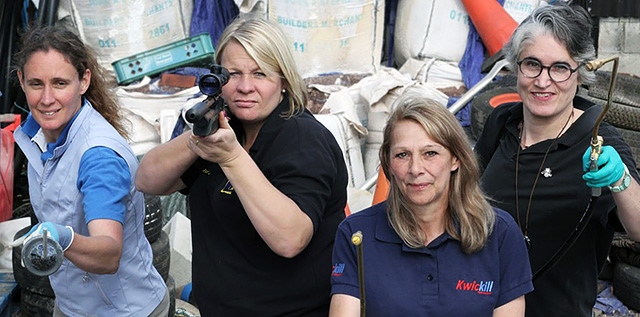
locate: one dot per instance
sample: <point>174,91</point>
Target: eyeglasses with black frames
<point>558,72</point>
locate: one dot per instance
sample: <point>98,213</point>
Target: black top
<point>235,273</point>
<point>560,198</point>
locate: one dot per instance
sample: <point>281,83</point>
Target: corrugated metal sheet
<point>612,8</point>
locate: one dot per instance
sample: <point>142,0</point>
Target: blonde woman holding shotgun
<point>267,190</point>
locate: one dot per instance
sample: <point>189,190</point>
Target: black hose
<point>47,12</point>
<point>42,7</point>
<point>573,237</point>
<point>9,25</point>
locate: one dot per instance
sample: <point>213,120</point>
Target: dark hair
<point>61,39</point>
<point>568,24</point>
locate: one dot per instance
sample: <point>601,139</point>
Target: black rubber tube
<point>9,23</point>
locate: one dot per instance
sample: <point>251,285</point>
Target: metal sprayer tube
<point>596,140</point>
<point>356,239</point>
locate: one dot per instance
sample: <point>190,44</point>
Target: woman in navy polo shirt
<point>435,247</point>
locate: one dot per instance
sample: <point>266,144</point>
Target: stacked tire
<point>624,110</point>
<point>36,295</point>
<point>625,254</point>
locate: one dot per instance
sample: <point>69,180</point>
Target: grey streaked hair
<point>569,24</point>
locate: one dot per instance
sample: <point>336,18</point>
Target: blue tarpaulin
<point>470,66</point>
<point>212,17</point>
<point>609,304</point>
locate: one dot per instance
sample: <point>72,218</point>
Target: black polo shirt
<point>234,271</point>
<point>559,200</point>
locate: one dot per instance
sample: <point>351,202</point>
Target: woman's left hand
<point>610,168</point>
<point>220,147</point>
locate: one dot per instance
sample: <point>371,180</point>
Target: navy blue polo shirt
<point>437,280</point>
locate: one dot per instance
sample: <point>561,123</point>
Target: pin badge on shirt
<point>546,172</point>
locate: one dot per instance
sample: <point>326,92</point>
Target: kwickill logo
<point>482,287</point>
<point>338,268</point>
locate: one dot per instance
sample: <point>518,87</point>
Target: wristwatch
<point>626,181</point>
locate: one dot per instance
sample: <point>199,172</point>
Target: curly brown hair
<point>42,38</point>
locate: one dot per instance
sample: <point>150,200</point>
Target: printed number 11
<point>298,46</point>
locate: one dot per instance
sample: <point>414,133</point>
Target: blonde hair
<point>267,44</point>
<point>471,217</point>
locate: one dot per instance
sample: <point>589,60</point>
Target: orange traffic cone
<point>382,188</point>
<point>493,22</point>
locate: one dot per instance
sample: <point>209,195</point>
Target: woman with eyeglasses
<point>267,190</point>
<point>536,156</point>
